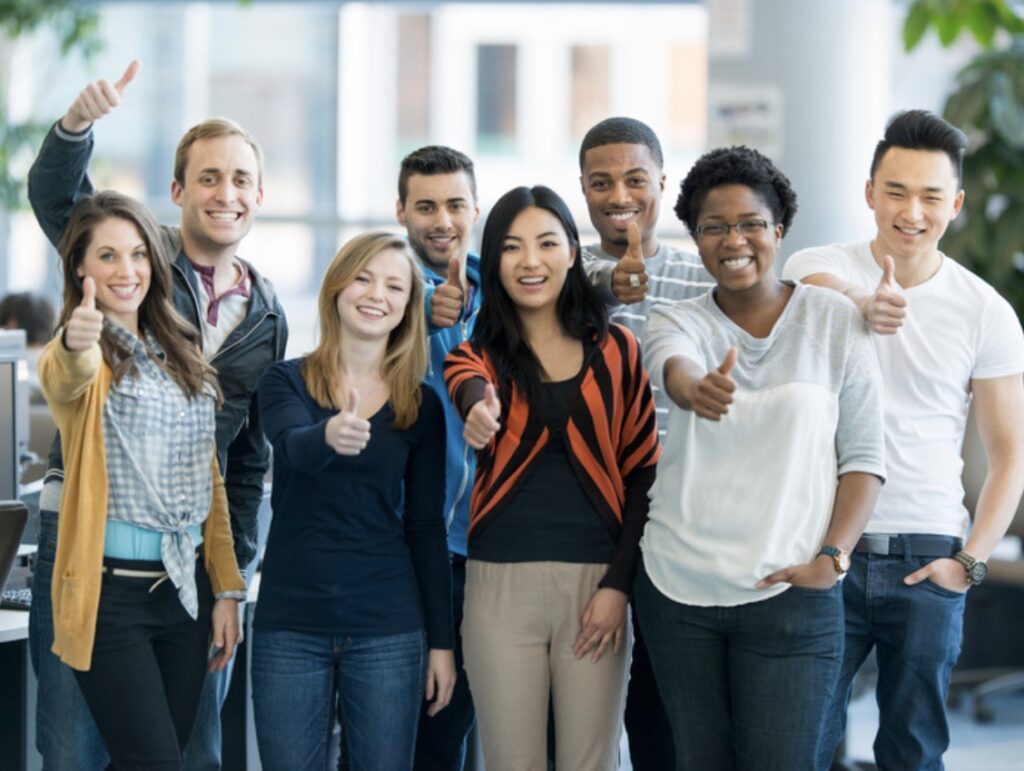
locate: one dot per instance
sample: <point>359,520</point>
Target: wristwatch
<point>975,568</point>
<point>840,557</point>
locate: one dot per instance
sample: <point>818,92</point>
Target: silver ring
<point>634,280</point>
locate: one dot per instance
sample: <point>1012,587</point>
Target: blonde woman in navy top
<point>355,600</point>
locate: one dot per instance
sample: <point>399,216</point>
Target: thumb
<point>888,272</point>
<point>728,362</point>
<point>88,294</point>
<point>491,400</point>
<point>129,75</point>
<point>352,403</point>
<point>455,273</point>
<point>634,249</point>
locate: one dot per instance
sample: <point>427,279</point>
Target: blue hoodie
<point>461,461</point>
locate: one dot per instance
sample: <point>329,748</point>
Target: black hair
<point>624,131</point>
<point>30,312</point>
<point>735,166</point>
<point>434,159</point>
<point>498,330</point>
<point>922,130</point>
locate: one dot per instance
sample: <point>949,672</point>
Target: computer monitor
<point>14,393</point>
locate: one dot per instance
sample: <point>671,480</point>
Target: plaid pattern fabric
<point>159,444</point>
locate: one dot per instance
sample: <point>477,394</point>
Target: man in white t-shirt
<point>944,338</point>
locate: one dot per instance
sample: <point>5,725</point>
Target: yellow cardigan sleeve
<point>220,561</point>
<point>65,376</point>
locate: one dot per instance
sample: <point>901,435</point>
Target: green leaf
<point>1006,111</point>
<point>948,26</point>
<point>916,24</point>
<point>982,20</point>
<point>966,106</point>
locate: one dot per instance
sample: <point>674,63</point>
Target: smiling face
<point>438,214</point>
<point>118,261</point>
<point>219,198</point>
<point>622,183</point>
<point>738,262</point>
<point>915,195</point>
<point>535,259</point>
<point>374,303</point>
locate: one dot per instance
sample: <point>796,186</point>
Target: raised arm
<point>59,176</point>
<point>883,309</point>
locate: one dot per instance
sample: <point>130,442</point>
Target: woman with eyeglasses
<point>773,460</point>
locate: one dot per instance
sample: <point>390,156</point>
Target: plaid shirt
<point>159,443</point>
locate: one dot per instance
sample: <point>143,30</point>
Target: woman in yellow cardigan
<point>145,571</point>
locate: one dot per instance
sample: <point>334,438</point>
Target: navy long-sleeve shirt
<point>357,544</point>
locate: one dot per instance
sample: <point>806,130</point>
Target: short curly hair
<point>735,166</point>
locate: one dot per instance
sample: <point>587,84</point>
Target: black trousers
<point>647,727</point>
<point>148,665</point>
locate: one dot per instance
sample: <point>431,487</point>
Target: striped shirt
<point>611,434</point>
<point>158,444</point>
<point>672,275</point>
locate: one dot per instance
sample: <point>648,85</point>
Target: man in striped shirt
<point>623,181</point>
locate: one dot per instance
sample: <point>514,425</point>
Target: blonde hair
<point>405,358</point>
<point>211,128</point>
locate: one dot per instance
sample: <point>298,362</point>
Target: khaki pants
<point>521,620</point>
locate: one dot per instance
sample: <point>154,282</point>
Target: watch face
<point>844,561</point>
<point>978,572</point>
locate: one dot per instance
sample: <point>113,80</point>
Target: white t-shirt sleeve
<point>860,433</point>
<point>665,336</point>
<point>1001,347</point>
<point>818,259</point>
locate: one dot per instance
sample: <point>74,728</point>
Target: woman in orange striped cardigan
<point>559,407</point>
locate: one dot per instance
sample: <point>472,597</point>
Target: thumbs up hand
<point>887,307</point>
<point>347,433</point>
<point>96,100</point>
<point>482,422</point>
<point>629,278</point>
<point>446,304</point>
<point>85,323</point>
<point>711,396</point>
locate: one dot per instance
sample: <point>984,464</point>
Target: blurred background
<point>337,93</point>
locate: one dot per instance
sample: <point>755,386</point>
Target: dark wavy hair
<point>498,330</point>
<point>179,339</point>
<point>736,166</point>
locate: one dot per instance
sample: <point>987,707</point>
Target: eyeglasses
<point>746,228</point>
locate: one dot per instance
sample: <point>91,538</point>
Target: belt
<point>129,573</point>
<point>908,545</point>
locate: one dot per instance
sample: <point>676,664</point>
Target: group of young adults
<point>490,504</point>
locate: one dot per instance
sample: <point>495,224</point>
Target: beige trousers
<point>520,622</point>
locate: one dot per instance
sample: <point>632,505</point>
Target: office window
<point>496,98</point>
<point>590,92</point>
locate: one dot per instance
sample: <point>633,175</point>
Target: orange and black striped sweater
<point>611,434</point>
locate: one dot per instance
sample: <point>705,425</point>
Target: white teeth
<point>532,280</point>
<point>124,291</point>
<point>910,231</point>
<point>375,312</point>
<point>737,262</point>
<point>224,216</point>
<point>623,216</point>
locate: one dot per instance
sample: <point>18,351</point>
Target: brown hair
<point>211,128</point>
<point>405,360</point>
<point>180,341</point>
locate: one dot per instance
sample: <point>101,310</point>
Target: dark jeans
<point>745,687</point>
<point>916,632</point>
<point>66,734</point>
<point>379,685</point>
<point>647,726</point>
<point>148,665</point>
<point>441,739</point>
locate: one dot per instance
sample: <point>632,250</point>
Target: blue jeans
<point>916,632</point>
<point>441,739</point>
<point>204,746</point>
<point>745,687</point>
<point>379,685</point>
<point>66,734</point>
